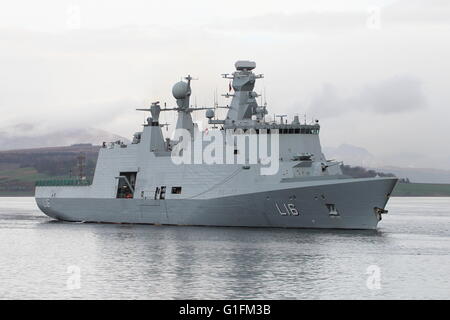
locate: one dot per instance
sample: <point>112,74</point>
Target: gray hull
<point>354,202</point>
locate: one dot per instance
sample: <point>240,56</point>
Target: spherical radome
<point>209,113</point>
<point>180,90</point>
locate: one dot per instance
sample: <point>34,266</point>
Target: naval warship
<point>244,170</point>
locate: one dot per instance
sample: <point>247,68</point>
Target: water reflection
<point>195,262</point>
<point>142,261</point>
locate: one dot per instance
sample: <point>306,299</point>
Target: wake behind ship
<point>243,170</point>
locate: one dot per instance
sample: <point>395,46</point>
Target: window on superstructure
<point>176,190</point>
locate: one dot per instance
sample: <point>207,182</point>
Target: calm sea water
<point>408,257</point>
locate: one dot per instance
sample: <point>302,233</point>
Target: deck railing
<point>62,182</point>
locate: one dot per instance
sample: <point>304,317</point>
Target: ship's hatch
<point>125,187</point>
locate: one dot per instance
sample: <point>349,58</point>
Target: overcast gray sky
<point>376,73</point>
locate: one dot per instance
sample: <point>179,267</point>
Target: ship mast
<point>181,91</point>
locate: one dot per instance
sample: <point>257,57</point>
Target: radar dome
<point>180,90</point>
<point>210,113</point>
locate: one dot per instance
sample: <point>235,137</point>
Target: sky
<point>375,73</point>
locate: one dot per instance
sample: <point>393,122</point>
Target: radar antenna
<point>216,105</point>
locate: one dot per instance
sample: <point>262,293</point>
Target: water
<point>411,251</point>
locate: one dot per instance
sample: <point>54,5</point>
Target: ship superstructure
<point>242,171</point>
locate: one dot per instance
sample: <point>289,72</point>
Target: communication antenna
<point>216,105</point>
<point>265,97</point>
<point>265,105</point>
<point>166,124</point>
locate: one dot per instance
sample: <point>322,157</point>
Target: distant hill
<point>421,190</point>
<point>360,172</point>
<point>25,137</point>
<point>419,175</point>
<point>26,155</point>
<point>360,157</point>
<point>351,155</point>
<point>52,161</point>
<point>19,169</point>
